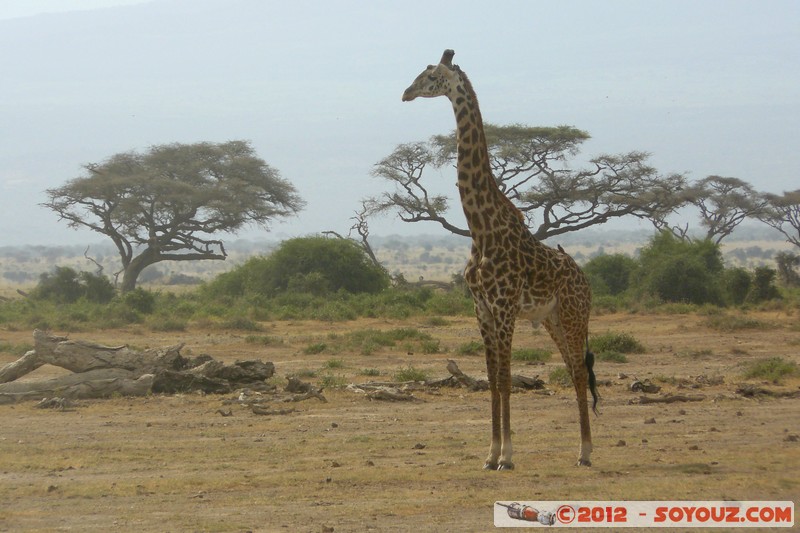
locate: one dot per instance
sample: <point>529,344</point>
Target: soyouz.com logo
<point>617,514</point>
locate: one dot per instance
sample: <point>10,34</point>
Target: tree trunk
<point>100,371</point>
<point>132,270</point>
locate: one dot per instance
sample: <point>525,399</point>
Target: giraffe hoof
<point>506,466</point>
<point>488,465</point>
<point>584,462</point>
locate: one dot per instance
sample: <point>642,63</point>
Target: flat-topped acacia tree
<point>168,203</point>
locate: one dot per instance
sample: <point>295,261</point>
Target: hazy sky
<point>707,87</point>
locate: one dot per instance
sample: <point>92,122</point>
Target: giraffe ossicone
<point>509,273</point>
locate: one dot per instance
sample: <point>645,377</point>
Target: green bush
<point>674,270</point>
<point>737,284</point>
<point>726,322</point>
<point>65,285</point>
<point>612,357</point>
<point>530,355</point>
<point>610,274</point>
<point>773,369</point>
<point>560,376</point>
<point>410,373</point>
<point>615,342</point>
<point>763,285</point>
<point>313,265</point>
<point>471,348</point>
<point>139,300</point>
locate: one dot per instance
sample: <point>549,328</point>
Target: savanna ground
<point>174,463</point>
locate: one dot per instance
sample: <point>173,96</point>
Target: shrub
<point>612,357</point>
<point>330,381</point>
<point>726,322</point>
<point>314,265</point>
<point>560,376</point>
<point>737,283</point>
<point>315,348</point>
<point>166,323</point>
<point>530,355</point>
<point>615,342</point>
<point>610,274</point>
<point>773,369</point>
<point>470,348</point>
<point>763,285</point>
<point>680,271</point>
<point>263,340</point>
<point>788,264</point>
<point>410,373</point>
<point>65,285</point>
<point>139,300</point>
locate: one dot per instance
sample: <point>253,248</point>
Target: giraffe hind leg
<point>577,362</point>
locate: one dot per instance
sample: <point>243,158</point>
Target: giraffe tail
<point>589,359</point>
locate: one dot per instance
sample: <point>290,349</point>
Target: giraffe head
<point>435,80</point>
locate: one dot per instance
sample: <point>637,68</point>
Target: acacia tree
<point>530,165</point>
<point>168,203</point>
<point>723,203</point>
<point>782,212</point>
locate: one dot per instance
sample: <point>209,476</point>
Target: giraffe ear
<point>447,58</point>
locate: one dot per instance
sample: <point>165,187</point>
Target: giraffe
<point>509,273</point>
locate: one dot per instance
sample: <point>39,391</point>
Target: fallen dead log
<point>270,412</point>
<point>641,400</point>
<point>382,392</point>
<point>294,391</point>
<point>458,378</point>
<point>101,371</point>
<point>394,391</point>
<point>754,391</point>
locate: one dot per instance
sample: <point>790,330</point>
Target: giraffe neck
<point>485,206</point>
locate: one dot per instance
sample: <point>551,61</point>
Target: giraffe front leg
<point>506,449</point>
<point>488,333</point>
<point>504,334</point>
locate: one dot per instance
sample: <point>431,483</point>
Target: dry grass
<point>175,464</point>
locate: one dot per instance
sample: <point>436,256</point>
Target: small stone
<point>621,443</point>
<point>419,446</point>
<point>334,425</point>
<point>650,421</point>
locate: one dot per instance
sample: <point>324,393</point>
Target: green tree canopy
<point>782,212</point>
<point>168,203</point>
<point>723,203</point>
<point>532,167</point>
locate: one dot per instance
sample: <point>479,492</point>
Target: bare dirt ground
<point>175,463</point>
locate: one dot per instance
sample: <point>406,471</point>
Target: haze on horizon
<point>709,87</point>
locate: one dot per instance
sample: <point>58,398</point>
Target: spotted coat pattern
<point>510,274</point>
